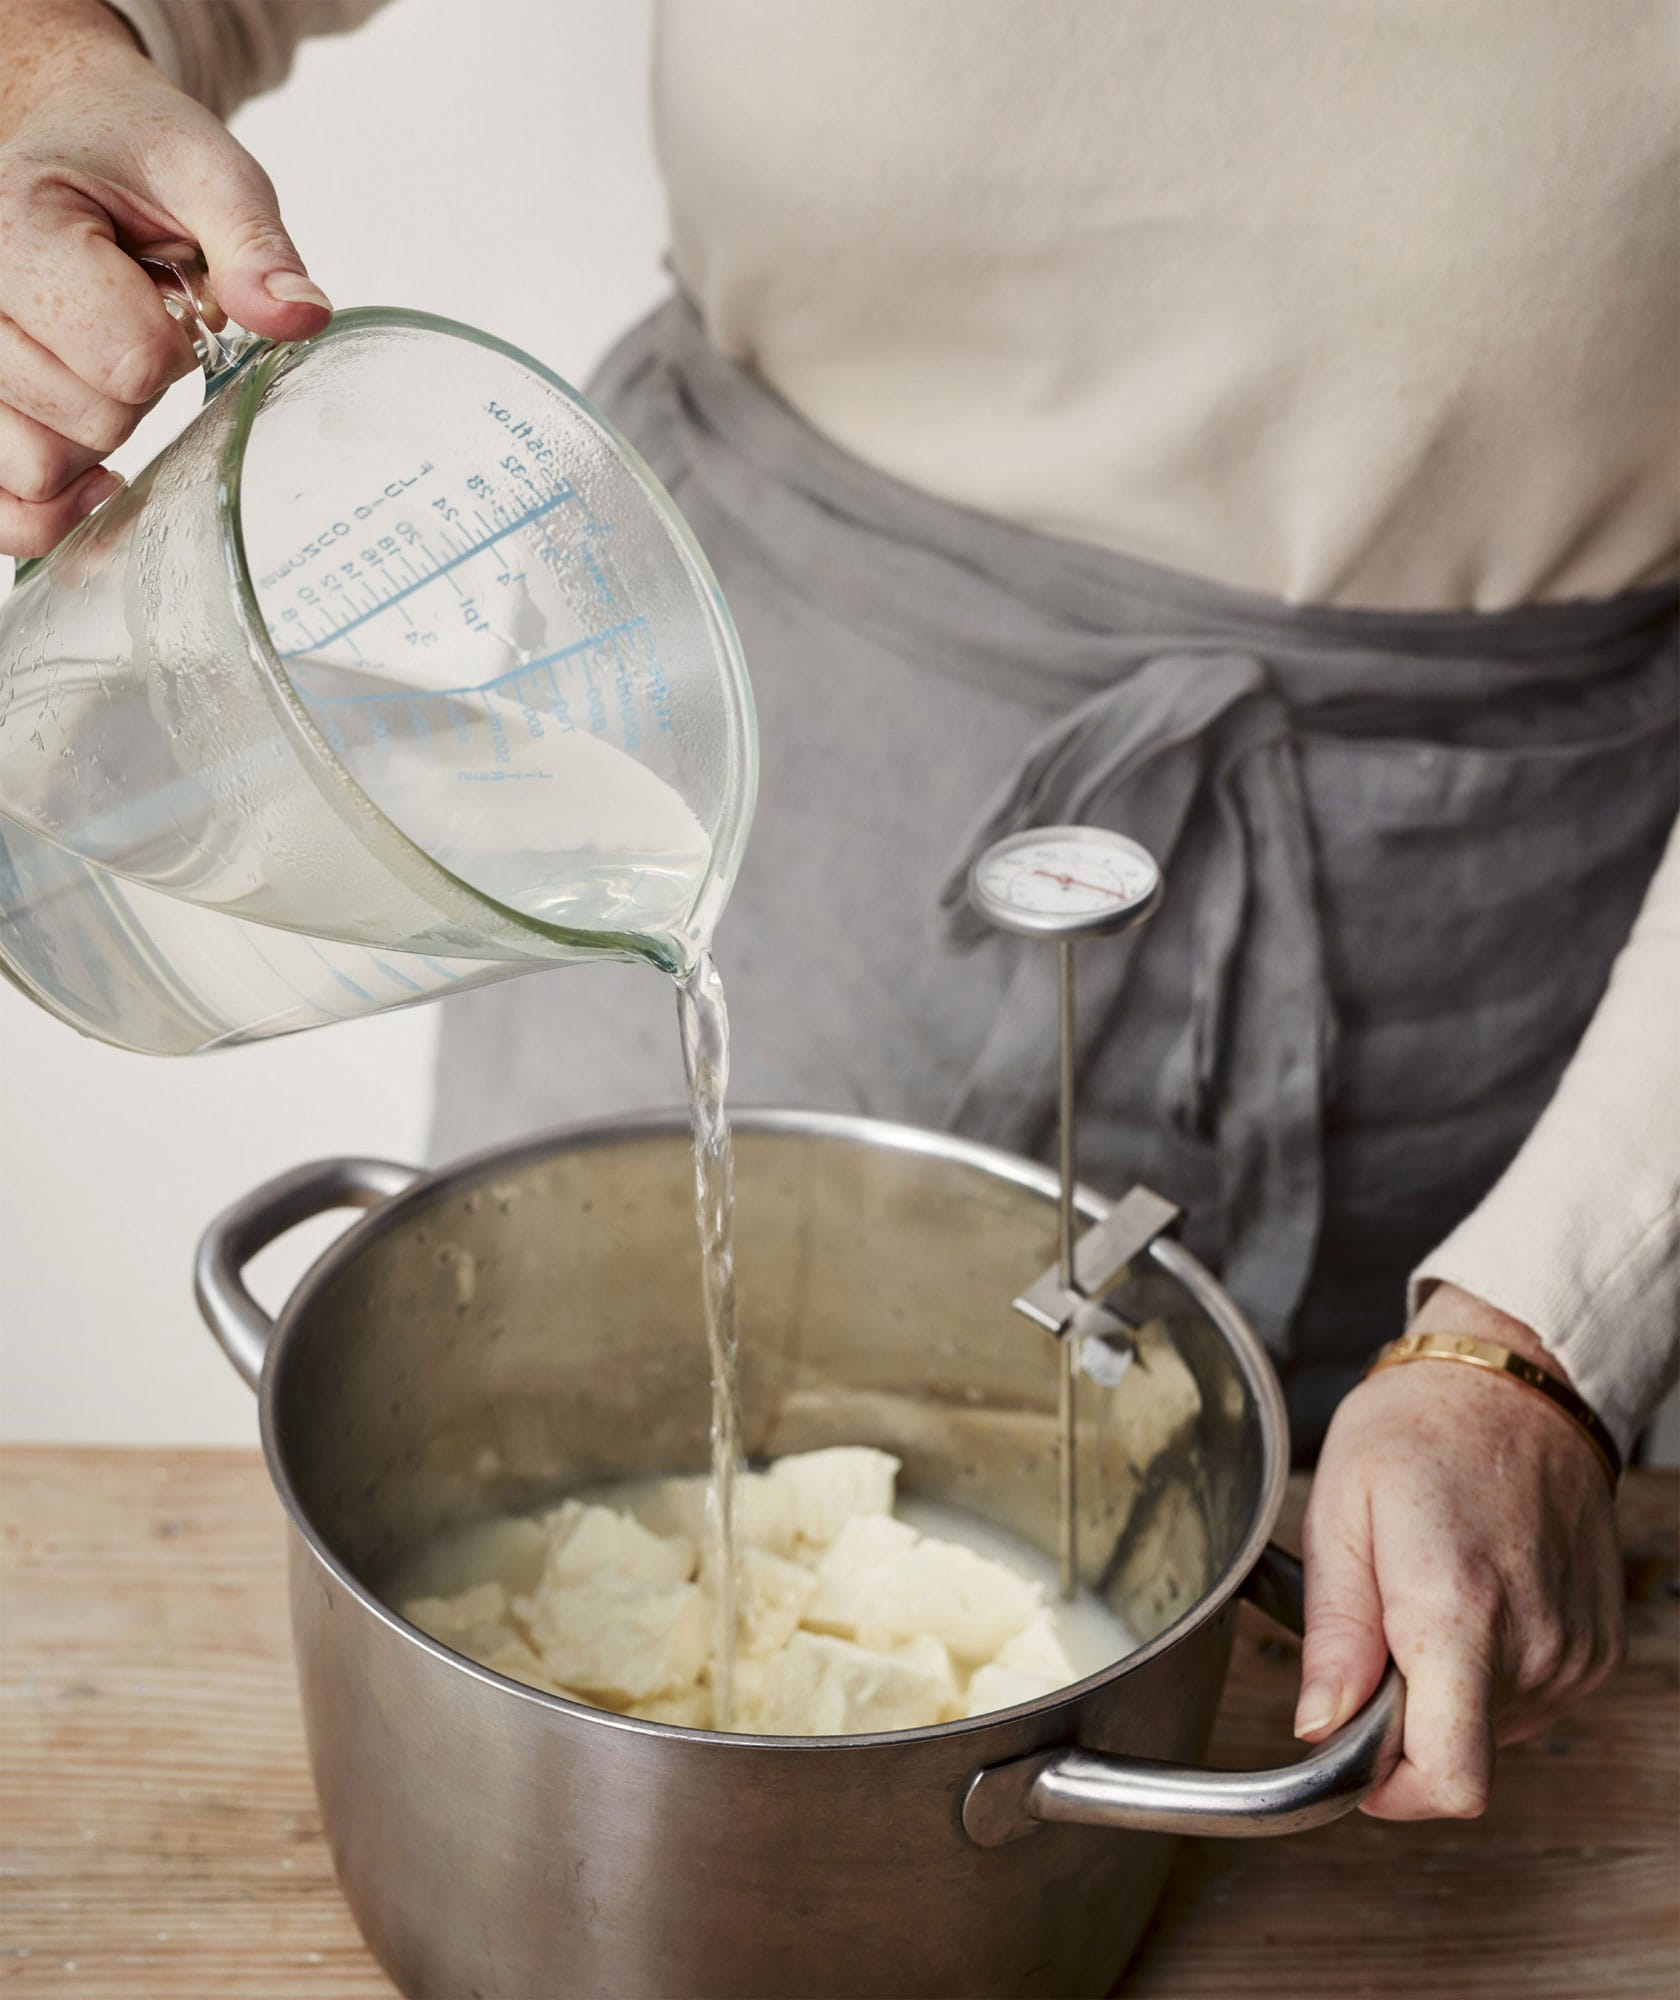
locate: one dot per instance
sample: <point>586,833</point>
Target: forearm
<point>49,45</point>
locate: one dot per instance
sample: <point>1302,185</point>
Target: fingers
<point>70,288</point>
<point>1560,1662</point>
<point>86,345</point>
<point>1446,1771</point>
<point>52,437</point>
<point>83,353</point>
<point>1586,1669</point>
<point>85,348</point>
<point>38,385</point>
<point>1444,1646</point>
<point>1344,1652</point>
<point>35,463</point>
<point>229,206</point>
<point>28,529</point>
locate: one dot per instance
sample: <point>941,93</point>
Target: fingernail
<point>100,487</point>
<point>292,288</point>
<point>1320,1700</point>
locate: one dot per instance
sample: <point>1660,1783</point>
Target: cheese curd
<point>849,1619</point>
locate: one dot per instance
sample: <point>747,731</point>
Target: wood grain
<point>159,1838</point>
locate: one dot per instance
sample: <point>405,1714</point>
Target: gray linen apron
<point>1400,850</point>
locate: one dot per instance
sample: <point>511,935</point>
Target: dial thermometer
<point>1065,883</point>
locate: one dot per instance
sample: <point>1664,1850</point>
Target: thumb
<point>1344,1651</point>
<point>256,273</point>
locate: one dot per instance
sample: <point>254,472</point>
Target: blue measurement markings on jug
<point>614,683</point>
<point>392,553</point>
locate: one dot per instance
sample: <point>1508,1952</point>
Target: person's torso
<point>1362,301</point>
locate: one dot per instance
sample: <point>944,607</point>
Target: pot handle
<point>253,1222</point>
<point>1083,1788</point>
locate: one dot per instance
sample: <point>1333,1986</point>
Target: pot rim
<point>1171,1257</point>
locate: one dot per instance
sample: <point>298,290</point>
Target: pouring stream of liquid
<point>705,1037</point>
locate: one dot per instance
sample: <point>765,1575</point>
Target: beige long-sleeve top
<point>1369,302</point>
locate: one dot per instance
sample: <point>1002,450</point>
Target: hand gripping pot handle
<point>252,1223</point>
<point>1082,1788</point>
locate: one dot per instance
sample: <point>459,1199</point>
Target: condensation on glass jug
<point>396,672</point>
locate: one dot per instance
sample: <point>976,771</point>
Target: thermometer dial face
<point>1065,881</point>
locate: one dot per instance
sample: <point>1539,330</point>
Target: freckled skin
<point>1466,1526</point>
<point>99,155</point>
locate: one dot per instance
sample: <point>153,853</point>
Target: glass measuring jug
<point>396,672</point>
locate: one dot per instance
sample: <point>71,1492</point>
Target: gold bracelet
<point>1515,1368</point>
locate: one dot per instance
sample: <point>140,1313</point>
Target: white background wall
<point>489,161</point>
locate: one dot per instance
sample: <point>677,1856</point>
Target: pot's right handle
<point>254,1221</point>
<point>1083,1788</point>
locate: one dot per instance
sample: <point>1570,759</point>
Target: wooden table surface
<point>159,1838</point>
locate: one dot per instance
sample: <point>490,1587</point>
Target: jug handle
<point>1084,1788</point>
<point>183,281</point>
<point>240,1325</point>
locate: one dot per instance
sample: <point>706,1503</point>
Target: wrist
<point>1449,1309</point>
<point>52,45</point>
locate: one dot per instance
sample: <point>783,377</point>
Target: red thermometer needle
<point>1073,882</point>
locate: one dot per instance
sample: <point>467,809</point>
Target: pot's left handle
<point>1082,1788</point>
<point>254,1221</point>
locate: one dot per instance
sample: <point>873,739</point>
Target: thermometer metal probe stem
<point>1101,884</point>
<point>1067,1553</point>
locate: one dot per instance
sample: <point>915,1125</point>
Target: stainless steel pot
<point>528,1321</point>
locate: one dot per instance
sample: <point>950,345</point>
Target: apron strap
<point>1185,731</point>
